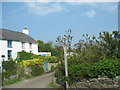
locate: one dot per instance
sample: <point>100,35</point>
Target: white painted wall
<point>16,47</point>
<point>47,53</point>
<point>3,49</point>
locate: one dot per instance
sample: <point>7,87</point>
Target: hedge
<point>9,68</point>
<point>31,62</point>
<point>36,70</point>
<point>108,67</point>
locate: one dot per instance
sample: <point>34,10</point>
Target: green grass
<point>12,81</point>
<point>53,85</point>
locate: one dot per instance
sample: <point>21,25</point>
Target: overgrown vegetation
<point>10,68</point>
<point>36,70</point>
<point>92,57</point>
<point>16,68</point>
<point>14,72</point>
<point>26,57</point>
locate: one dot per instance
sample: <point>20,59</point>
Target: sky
<point>47,20</point>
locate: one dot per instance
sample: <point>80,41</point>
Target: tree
<point>41,46</point>
<point>58,52</point>
<point>65,42</point>
<point>45,47</point>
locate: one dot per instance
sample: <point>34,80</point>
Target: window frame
<point>9,43</point>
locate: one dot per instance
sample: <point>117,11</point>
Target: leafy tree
<point>41,46</point>
<point>45,47</point>
<point>58,52</point>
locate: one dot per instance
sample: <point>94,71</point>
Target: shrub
<point>109,67</point>
<point>28,56</point>
<point>52,68</point>
<point>25,55</point>
<point>77,72</point>
<point>36,70</point>
<point>60,74</point>
<point>31,62</point>
<point>10,68</point>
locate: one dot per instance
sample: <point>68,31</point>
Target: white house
<point>12,42</point>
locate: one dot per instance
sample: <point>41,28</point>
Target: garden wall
<point>98,83</point>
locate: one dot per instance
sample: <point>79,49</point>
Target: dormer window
<point>9,43</point>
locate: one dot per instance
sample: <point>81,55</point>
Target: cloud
<point>104,6</point>
<point>108,7</point>
<point>44,8</point>
<point>90,13</point>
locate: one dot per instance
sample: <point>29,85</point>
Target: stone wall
<point>98,83</point>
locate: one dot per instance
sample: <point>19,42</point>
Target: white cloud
<point>44,8</point>
<point>90,13</point>
<point>108,7</point>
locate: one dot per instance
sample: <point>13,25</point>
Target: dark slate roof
<point>13,35</point>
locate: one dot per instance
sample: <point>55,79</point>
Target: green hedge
<point>109,67</point>
<point>28,56</point>
<point>36,70</point>
<point>52,68</point>
<point>9,68</point>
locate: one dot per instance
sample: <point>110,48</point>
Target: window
<point>23,45</point>
<point>30,51</point>
<point>9,53</point>
<point>30,45</point>
<point>9,43</point>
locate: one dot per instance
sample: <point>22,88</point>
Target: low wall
<point>98,83</point>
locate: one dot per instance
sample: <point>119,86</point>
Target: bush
<point>25,55</point>
<point>31,62</point>
<point>77,72</point>
<point>60,74</point>
<point>28,56</point>
<point>109,67</point>
<point>10,68</point>
<point>36,70</point>
<point>52,68</point>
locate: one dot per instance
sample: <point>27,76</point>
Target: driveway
<point>36,82</point>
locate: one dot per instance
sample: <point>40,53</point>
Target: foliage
<point>52,68</point>
<point>44,47</point>
<point>29,58</point>
<point>25,55</point>
<point>36,70</point>
<point>93,57</point>
<point>60,74</point>
<point>31,62</point>
<point>12,81</point>
<point>53,85</point>
<point>91,50</point>
<point>50,59</point>
<point>20,72</point>
<point>77,72</point>
<point>9,67</point>
<point>58,52</point>
<point>108,67</point>
<point>110,43</point>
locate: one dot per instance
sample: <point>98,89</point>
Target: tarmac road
<point>36,82</point>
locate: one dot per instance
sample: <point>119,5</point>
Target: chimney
<point>25,30</point>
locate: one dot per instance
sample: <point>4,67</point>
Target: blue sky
<point>46,21</point>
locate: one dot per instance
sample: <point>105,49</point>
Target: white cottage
<point>12,42</point>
